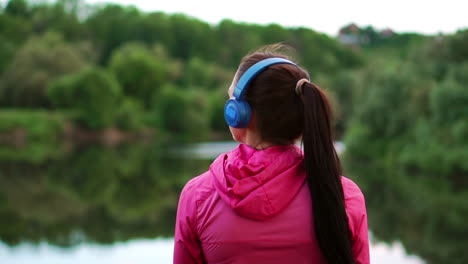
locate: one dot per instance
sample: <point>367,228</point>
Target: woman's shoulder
<point>355,207</point>
<point>202,186</point>
<point>351,189</point>
<point>354,201</point>
<point>198,187</point>
<point>357,219</point>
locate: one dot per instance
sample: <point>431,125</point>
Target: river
<point>100,204</point>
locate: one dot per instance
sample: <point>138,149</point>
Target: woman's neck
<point>254,140</point>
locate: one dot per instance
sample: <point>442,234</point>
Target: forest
<point>111,66</point>
<point>74,72</point>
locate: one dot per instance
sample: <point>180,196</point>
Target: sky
<point>326,16</point>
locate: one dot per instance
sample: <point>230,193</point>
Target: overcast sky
<point>327,16</point>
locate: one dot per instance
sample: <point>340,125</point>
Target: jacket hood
<point>259,184</point>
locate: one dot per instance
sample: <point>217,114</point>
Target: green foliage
<point>449,103</point>
<point>6,52</point>
<point>450,48</point>
<point>192,38</point>
<point>112,25</point>
<point>199,73</point>
<point>97,164</point>
<point>93,94</point>
<point>14,29</point>
<point>345,88</point>
<point>407,140</point>
<point>320,53</point>
<point>38,125</point>
<point>183,113</point>
<point>61,17</point>
<point>130,115</point>
<point>432,221</point>
<point>216,101</point>
<point>243,35</point>
<point>145,51</point>
<point>30,135</point>
<point>106,194</point>
<point>402,109</point>
<point>139,72</point>
<point>38,62</point>
<point>17,8</point>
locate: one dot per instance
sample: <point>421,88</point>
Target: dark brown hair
<point>282,116</point>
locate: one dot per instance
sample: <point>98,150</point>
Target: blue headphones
<point>237,111</point>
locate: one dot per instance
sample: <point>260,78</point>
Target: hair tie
<point>299,85</point>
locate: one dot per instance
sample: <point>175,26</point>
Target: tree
<point>130,115</point>
<point>200,73</point>
<point>140,74</point>
<point>35,65</point>
<point>6,52</point>
<point>111,26</point>
<point>17,8</point>
<point>191,37</point>
<point>63,17</point>
<point>183,114</point>
<point>13,31</point>
<point>244,36</point>
<point>93,94</point>
<point>457,46</point>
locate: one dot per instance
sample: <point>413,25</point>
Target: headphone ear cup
<point>245,113</point>
<point>237,113</point>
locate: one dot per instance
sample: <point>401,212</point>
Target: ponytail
<point>323,170</point>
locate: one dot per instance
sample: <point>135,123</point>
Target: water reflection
<point>427,213</point>
<point>74,197</point>
<point>92,194</point>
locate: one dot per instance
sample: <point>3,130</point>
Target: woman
<point>267,201</point>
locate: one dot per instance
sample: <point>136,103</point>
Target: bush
<point>93,94</point>
<point>130,115</point>
<point>184,115</point>
<point>37,132</point>
<point>38,125</point>
<point>34,66</point>
<point>217,100</point>
<point>139,72</point>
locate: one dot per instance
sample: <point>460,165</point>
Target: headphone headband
<point>253,71</point>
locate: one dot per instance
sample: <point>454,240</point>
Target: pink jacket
<point>252,206</point>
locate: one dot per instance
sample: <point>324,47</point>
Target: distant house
<point>350,35</point>
<point>355,37</point>
<point>386,33</point>
<point>350,29</point>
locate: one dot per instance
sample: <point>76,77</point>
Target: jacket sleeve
<point>357,218</point>
<point>187,247</point>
